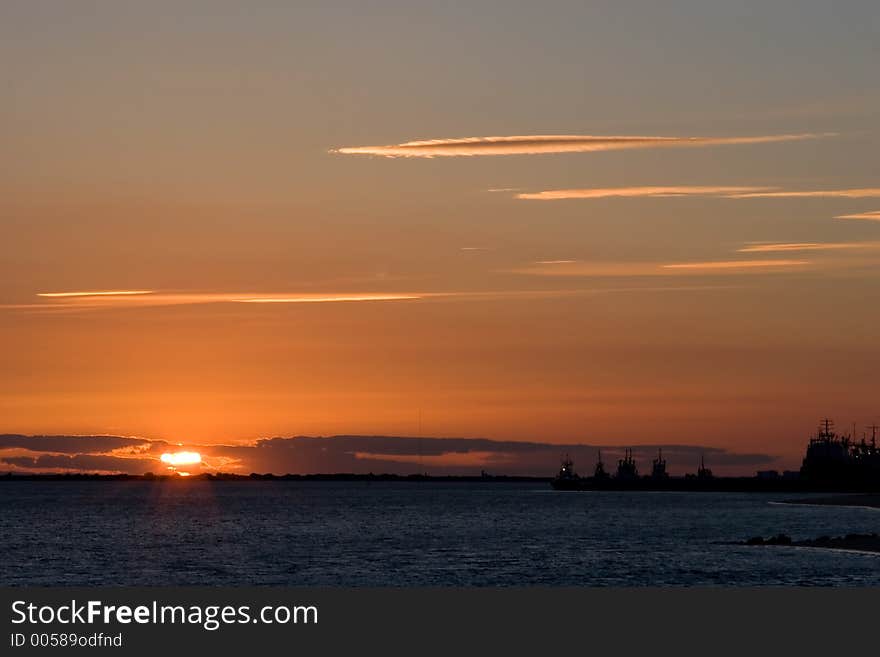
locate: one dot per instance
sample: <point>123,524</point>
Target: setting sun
<point>175,459</point>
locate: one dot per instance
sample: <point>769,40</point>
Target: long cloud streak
<point>538,144</point>
<point>864,192</point>
<point>867,216</point>
<point>705,191</point>
<point>650,269</point>
<point>736,264</point>
<point>143,298</point>
<point>805,246</point>
<point>636,192</point>
<point>98,293</point>
<point>68,303</point>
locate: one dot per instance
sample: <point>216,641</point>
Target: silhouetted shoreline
<point>224,476</point>
<point>849,542</point>
<point>863,499</point>
<point>838,494</point>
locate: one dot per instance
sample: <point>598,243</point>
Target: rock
<point>779,539</point>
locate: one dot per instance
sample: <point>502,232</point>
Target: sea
<point>406,534</point>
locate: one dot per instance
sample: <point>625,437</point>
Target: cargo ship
<point>832,463</point>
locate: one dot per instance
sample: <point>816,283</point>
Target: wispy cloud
<point>714,191</point>
<point>331,299</point>
<point>64,305</point>
<point>648,269</point>
<point>867,216</point>
<point>537,144</point>
<point>805,246</point>
<point>862,192</point>
<point>138,299</point>
<point>736,264</point>
<point>100,293</point>
<point>636,192</point>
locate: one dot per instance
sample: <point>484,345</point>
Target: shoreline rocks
<point>858,542</point>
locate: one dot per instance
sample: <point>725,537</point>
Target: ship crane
<point>873,428</point>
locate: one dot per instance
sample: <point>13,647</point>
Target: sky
<point>603,224</point>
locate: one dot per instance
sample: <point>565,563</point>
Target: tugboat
<point>626,467</point>
<point>658,468</point>
<point>834,462</point>
<point>566,478</point>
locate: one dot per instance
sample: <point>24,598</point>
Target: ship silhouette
<point>833,462</point>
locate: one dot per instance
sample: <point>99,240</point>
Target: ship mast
<point>873,428</point>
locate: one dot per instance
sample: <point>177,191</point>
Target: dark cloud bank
<point>351,454</point>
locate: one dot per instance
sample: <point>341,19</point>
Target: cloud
<point>81,463</point>
<point>103,293</point>
<point>712,191</point>
<point>77,304</point>
<point>105,454</point>
<point>868,216</point>
<point>863,192</point>
<point>651,269</point>
<point>135,299</point>
<point>537,144</point>
<point>71,444</point>
<point>805,246</point>
<point>380,454</point>
<point>736,264</point>
<point>636,192</point>
<point>332,299</point>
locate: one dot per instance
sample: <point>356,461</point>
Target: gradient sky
<point>227,160</point>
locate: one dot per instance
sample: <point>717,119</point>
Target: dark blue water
<point>411,534</point>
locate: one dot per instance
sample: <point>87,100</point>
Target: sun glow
<point>175,459</point>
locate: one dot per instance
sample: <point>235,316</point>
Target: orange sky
<point>612,255</point>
